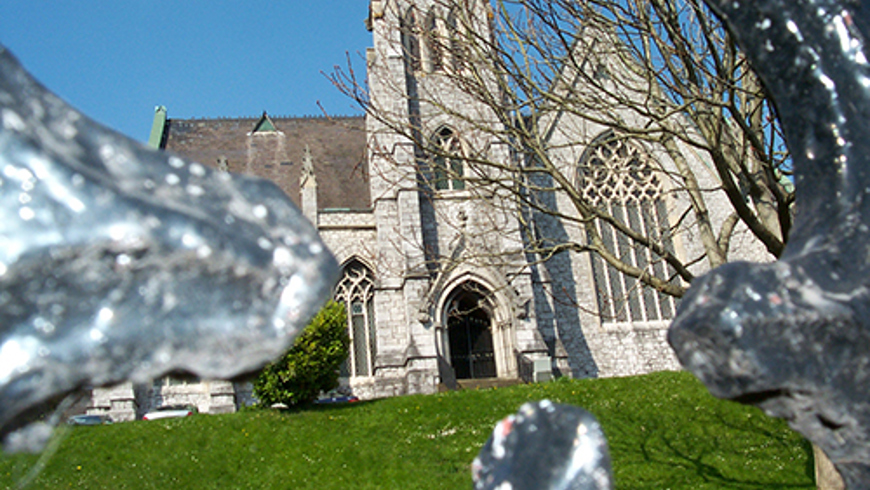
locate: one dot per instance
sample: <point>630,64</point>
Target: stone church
<point>438,283</point>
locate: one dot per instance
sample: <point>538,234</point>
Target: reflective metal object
<point>793,337</point>
<point>122,263</point>
<point>544,446</point>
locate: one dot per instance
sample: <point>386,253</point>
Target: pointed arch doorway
<point>470,334</point>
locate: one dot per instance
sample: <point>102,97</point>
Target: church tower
<point>453,290</point>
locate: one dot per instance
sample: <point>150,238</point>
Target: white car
<point>170,411</point>
<point>89,420</point>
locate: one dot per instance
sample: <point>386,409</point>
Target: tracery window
<point>356,291</point>
<point>445,161</point>
<point>617,176</point>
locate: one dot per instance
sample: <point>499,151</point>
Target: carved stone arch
<point>357,258</point>
<point>464,303</point>
<point>503,295</point>
<point>346,251</point>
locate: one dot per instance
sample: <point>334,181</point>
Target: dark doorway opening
<point>468,328</point>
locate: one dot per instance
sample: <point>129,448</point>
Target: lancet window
<point>433,41</point>
<point>457,50</point>
<point>445,161</point>
<point>356,291</point>
<point>410,40</point>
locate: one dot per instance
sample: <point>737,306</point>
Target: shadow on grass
<point>762,425</point>
<point>715,475</point>
<point>714,443</point>
<point>664,431</point>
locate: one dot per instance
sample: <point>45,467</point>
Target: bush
<point>311,365</point>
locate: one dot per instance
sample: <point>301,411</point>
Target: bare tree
<point>610,106</point>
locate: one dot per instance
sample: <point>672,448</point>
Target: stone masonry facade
<point>438,285</point>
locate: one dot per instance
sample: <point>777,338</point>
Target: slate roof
<point>338,151</point>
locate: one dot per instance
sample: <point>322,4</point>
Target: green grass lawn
<point>664,430</point>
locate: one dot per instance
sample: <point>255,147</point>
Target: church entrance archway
<point>469,331</point>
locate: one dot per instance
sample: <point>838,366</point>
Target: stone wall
<point>423,244</point>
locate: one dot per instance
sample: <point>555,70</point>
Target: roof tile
<point>338,150</point>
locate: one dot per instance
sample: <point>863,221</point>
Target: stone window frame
<point>445,158</point>
<point>442,47</point>
<point>410,41</point>
<point>458,51</point>
<point>356,291</point>
<point>434,47</point>
<point>616,174</point>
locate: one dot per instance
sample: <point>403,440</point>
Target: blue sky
<point>117,60</point>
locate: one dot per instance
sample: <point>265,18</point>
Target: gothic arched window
<point>433,41</point>
<point>617,176</point>
<point>356,291</point>
<point>410,42</point>
<point>445,160</point>
<point>457,50</point>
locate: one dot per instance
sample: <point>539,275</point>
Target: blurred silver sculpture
<point>122,263</point>
<point>793,337</point>
<point>544,446</point>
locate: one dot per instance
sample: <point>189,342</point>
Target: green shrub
<point>311,365</point>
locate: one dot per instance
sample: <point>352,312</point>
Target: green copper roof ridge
<point>158,127</point>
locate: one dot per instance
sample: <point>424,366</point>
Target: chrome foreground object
<point>793,337</point>
<point>120,263</point>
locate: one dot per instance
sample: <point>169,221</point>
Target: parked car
<point>170,411</point>
<point>89,420</point>
<point>337,399</point>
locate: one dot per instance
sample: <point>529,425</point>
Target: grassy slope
<point>664,431</point>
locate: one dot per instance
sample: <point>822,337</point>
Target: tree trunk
<point>827,477</point>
